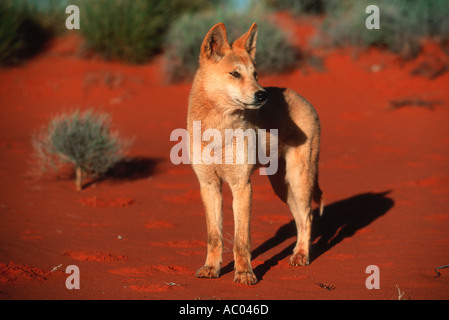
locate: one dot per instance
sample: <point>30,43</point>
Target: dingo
<point>226,95</point>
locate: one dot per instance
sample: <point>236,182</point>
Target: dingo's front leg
<point>241,206</point>
<point>212,199</point>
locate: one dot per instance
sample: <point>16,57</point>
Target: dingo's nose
<point>261,96</point>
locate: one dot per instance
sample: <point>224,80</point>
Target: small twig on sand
<point>325,286</point>
<point>56,268</point>
<point>400,294</point>
<point>397,104</point>
<point>439,274</point>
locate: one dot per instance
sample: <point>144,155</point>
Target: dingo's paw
<point>208,272</point>
<point>299,259</point>
<point>245,277</point>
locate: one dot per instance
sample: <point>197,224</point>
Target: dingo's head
<point>229,72</point>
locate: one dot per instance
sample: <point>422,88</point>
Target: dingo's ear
<point>215,43</point>
<point>248,41</point>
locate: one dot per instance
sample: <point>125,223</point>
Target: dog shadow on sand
<point>340,220</point>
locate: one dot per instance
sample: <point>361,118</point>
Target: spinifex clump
<point>83,139</point>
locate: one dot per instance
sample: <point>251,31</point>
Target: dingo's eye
<point>235,74</point>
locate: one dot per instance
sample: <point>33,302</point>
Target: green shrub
<point>298,7</point>
<point>130,31</point>
<point>49,14</point>
<point>25,28</point>
<point>275,53</point>
<point>82,139</point>
<point>403,23</point>
<point>11,39</point>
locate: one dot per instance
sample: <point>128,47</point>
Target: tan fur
<point>221,101</point>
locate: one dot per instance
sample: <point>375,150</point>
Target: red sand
<point>384,170</point>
